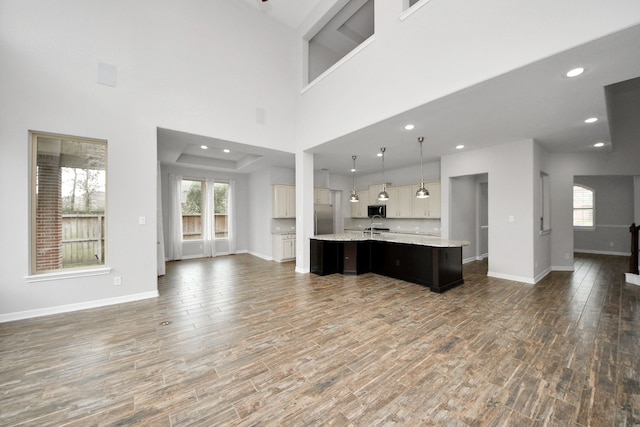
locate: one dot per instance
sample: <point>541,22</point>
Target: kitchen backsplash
<point>418,226</point>
<point>280,225</point>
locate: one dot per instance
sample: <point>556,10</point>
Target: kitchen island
<point>421,259</point>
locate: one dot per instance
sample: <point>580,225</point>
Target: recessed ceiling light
<point>226,150</point>
<point>598,144</point>
<point>459,147</point>
<point>409,127</point>
<point>352,170</point>
<point>204,147</point>
<point>575,72</point>
<point>379,154</point>
<point>591,120</point>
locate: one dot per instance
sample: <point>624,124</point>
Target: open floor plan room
<point>237,340</point>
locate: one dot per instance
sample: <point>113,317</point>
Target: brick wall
<point>49,214</point>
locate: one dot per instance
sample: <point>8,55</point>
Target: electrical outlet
<point>142,220</point>
<point>117,281</point>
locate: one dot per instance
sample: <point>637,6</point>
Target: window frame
<point>36,275</point>
<point>592,209</point>
<point>203,192</point>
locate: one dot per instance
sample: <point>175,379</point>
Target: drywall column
<point>304,209</point>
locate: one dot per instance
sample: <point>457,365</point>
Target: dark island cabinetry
<point>439,268</point>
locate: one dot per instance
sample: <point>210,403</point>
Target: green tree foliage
<point>193,205</point>
<point>220,198</point>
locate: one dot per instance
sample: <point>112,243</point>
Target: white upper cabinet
<point>359,209</point>
<point>399,204</point>
<point>429,207</point>
<point>321,196</point>
<point>284,201</point>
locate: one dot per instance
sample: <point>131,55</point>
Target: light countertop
<point>410,239</point>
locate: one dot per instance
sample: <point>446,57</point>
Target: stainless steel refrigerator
<point>323,219</point>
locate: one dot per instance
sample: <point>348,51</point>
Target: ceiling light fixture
<point>598,144</point>
<point>383,196</point>
<point>575,72</point>
<point>354,195</point>
<point>422,192</point>
<point>591,120</point>
<point>204,147</point>
<point>226,150</point>
<point>459,147</point>
<point>379,154</point>
<point>409,127</point>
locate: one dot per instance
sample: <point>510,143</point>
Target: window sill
<point>584,228</point>
<point>69,274</point>
<point>412,9</point>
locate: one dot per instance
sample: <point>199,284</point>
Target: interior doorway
<point>470,214</point>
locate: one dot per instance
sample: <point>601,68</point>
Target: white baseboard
<point>562,268</point>
<point>634,279</point>
<point>542,275</point>
<point>529,280</point>
<point>589,251</point>
<point>265,257</point>
<point>302,270</point>
<point>75,307</point>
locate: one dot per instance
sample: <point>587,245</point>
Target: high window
<point>583,206</point>
<point>345,31</point>
<point>68,200</point>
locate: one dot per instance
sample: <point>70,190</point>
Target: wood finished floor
<point>253,343</point>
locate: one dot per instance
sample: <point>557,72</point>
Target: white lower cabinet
<point>284,247</point>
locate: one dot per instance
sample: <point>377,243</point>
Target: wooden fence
<point>82,240</point>
<point>192,227</point>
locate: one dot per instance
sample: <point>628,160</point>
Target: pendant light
<point>383,196</point>
<point>422,192</point>
<point>354,196</point>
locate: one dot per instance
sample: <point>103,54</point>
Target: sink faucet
<point>374,224</point>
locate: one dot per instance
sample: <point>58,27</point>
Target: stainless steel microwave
<point>377,210</point>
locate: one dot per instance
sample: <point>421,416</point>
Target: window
<point>191,198</point>
<point>583,206</point>
<point>193,193</point>
<point>545,211</point>
<point>348,29</point>
<point>68,199</point>
<point>221,211</point>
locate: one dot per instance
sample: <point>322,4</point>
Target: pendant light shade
<point>354,195</point>
<point>422,192</point>
<point>383,196</point>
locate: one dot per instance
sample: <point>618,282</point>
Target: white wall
<point>464,214</point>
<point>510,176</point>
<point>614,200</point>
<point>175,68</point>
<point>541,241</point>
<point>443,47</point>
<point>623,110</point>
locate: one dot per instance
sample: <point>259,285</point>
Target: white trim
<point>337,65</point>
<point>542,275</point>
<point>410,11</point>
<point>302,270</point>
<point>265,257</point>
<point>67,274</point>
<point>522,279</point>
<point>597,252</point>
<point>75,307</point>
<point>468,260</point>
<point>481,257</point>
<point>634,279</point>
<point>562,268</point>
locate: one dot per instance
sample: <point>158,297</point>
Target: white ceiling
<point>534,102</point>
